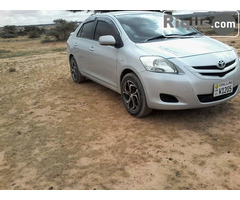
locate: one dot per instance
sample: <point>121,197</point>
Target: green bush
<point>62,29</point>
<point>33,34</point>
<point>9,32</point>
<point>29,29</point>
<point>46,40</point>
<point>8,35</point>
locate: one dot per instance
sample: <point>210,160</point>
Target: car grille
<point>213,70</point>
<point>206,98</point>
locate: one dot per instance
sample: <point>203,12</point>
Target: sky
<point>32,17</point>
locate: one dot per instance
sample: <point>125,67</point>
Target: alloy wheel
<point>74,69</point>
<point>131,95</point>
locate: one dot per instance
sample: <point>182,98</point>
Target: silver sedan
<point>152,67</point>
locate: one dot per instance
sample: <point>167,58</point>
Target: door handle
<point>75,44</point>
<point>91,48</point>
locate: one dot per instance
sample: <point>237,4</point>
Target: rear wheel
<point>133,96</point>
<point>76,74</point>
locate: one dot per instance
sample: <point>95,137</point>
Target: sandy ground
<point>55,134</point>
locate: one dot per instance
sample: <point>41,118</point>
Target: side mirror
<point>107,40</point>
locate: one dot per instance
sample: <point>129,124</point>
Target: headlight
<point>158,64</point>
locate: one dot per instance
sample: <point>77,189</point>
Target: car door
<point>82,44</point>
<point>103,59</point>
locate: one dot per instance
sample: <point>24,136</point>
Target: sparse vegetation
<point>47,39</point>
<point>4,51</point>
<point>59,32</point>
<point>59,49</point>
<point>62,29</point>
<point>9,32</point>
<point>26,50</point>
<point>33,34</point>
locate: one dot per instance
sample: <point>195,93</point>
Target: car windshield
<point>142,28</point>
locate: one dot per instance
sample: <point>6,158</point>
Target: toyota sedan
<point>150,66</point>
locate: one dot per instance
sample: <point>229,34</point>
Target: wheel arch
<point>127,71</point>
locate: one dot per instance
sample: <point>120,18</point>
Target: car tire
<point>76,74</point>
<point>133,96</point>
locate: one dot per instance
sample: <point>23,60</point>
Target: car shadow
<point>194,119</point>
<point>199,120</point>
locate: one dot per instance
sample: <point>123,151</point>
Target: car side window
<point>103,28</point>
<point>86,30</point>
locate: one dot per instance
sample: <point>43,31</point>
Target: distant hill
<point>204,14</point>
<point>46,26</point>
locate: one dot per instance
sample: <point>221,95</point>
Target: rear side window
<point>87,30</point>
<point>103,28</point>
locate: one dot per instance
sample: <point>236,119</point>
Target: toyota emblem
<point>221,64</point>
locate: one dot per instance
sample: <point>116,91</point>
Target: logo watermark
<point>211,23</point>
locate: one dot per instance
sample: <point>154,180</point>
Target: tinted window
<point>141,27</point>
<point>103,28</point>
<point>87,30</point>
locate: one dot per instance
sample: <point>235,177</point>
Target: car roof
<point>115,14</point>
<point>119,13</point>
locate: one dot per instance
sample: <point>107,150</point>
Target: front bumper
<point>186,87</point>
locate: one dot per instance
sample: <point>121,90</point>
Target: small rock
<point>50,188</point>
<point>177,173</point>
<point>94,189</point>
<point>12,69</point>
<point>229,151</point>
<point>170,159</point>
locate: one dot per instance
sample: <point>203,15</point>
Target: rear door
<point>82,44</point>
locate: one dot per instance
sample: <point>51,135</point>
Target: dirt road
<point>55,134</point>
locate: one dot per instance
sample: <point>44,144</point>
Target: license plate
<point>223,88</point>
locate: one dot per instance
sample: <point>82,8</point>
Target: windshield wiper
<point>155,38</point>
<point>192,33</point>
<point>161,36</point>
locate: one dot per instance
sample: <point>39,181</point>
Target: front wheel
<point>133,96</point>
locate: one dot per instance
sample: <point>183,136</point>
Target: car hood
<point>182,47</point>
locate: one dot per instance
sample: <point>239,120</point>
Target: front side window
<point>86,30</point>
<point>103,28</point>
